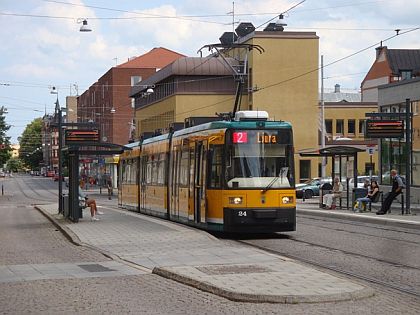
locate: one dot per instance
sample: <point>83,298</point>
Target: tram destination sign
<point>384,128</point>
<point>81,136</point>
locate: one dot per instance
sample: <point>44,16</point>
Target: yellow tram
<point>230,176</point>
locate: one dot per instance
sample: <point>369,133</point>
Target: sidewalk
<point>395,218</point>
<point>196,258</point>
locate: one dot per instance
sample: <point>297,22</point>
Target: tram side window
<point>126,178</point>
<point>133,172</point>
<point>154,171</point>
<point>184,168</point>
<point>149,171</point>
<point>215,166</point>
<point>161,169</point>
<point>123,170</point>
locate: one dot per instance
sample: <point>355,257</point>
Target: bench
<point>400,199</point>
<point>82,204</point>
<point>379,197</point>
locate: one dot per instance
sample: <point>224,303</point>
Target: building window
<point>406,74</point>
<point>351,127</point>
<point>415,107</point>
<point>328,126</point>
<point>362,126</point>
<point>305,170</point>
<point>135,79</point>
<point>369,167</point>
<point>339,126</point>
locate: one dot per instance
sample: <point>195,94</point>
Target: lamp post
<point>59,114</point>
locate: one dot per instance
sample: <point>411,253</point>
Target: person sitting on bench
<point>327,199</point>
<point>397,187</point>
<point>374,191</point>
<point>89,202</point>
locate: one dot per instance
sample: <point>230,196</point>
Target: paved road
<point>29,240</point>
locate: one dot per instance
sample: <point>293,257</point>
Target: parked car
<point>360,181</point>
<point>55,177</point>
<point>311,187</point>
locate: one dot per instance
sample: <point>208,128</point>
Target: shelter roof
<point>332,150</point>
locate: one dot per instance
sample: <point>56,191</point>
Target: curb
<point>69,234</point>
<point>366,292</point>
<point>73,238</point>
<point>361,218</point>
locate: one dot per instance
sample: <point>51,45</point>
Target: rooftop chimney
<point>337,88</point>
<point>379,50</point>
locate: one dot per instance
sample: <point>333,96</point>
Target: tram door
<point>200,167</point>
<point>174,183</point>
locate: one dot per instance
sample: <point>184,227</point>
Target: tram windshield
<point>259,159</point>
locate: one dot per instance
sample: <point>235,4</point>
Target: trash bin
<point>358,193</point>
<point>65,203</point>
<point>323,190</point>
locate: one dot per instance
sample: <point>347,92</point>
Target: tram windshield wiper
<point>282,174</point>
<point>270,184</point>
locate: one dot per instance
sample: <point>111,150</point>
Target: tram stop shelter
<point>345,154</point>
<point>72,209</point>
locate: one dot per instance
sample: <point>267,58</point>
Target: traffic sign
<point>370,150</point>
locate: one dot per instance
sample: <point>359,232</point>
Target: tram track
<point>361,224</point>
<point>338,269</point>
<point>20,183</point>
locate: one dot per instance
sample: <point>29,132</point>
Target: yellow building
<point>15,150</point>
<point>282,79</point>
<point>345,125</point>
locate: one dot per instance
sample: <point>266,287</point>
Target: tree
<point>31,144</point>
<point>4,140</point>
<point>14,164</point>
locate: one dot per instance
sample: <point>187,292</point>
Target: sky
<point>42,47</point>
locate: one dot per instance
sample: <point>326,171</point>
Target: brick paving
<point>178,252</point>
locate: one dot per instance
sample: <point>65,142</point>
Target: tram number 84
<point>241,213</point>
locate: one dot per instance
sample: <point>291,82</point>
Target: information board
<point>81,136</point>
<point>384,128</point>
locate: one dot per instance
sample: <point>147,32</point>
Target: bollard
<point>2,190</point>
<point>303,197</point>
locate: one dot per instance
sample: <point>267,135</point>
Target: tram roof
<point>156,138</point>
<point>224,124</point>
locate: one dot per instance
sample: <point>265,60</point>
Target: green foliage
<point>31,144</point>
<point>4,139</point>
<point>14,164</point>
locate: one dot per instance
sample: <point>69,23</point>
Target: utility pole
<point>60,160</point>
<point>408,154</point>
<point>324,159</point>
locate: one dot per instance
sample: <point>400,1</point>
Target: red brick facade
<point>112,90</point>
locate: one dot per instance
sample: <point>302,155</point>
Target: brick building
<point>390,65</point>
<point>107,101</point>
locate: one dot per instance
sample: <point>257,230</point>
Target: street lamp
<point>59,113</point>
<point>84,27</point>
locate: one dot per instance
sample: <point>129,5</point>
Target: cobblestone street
<point>28,239</point>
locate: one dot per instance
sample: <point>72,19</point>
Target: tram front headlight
<point>286,199</point>
<point>235,200</point>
